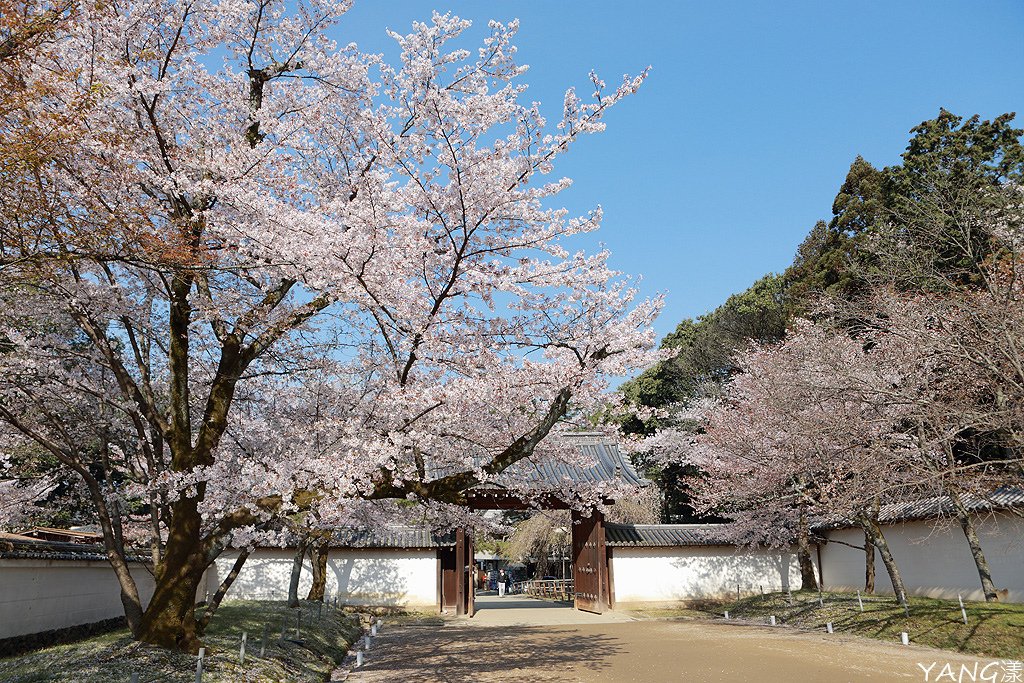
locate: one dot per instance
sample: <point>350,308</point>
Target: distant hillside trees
<point>892,367</point>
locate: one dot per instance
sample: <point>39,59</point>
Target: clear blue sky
<point>713,173</point>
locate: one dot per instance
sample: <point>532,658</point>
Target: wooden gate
<point>589,562</point>
<point>467,591</point>
<point>456,576</point>
<point>448,580</point>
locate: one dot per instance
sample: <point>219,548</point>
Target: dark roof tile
<point>392,537</point>
<point>666,535</point>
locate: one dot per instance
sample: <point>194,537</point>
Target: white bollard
<point>905,637</point>
<point>828,627</point>
<point>962,610</point>
<point>726,614</point>
<point>368,642</point>
<point>359,658</point>
<point>373,630</point>
<point>241,650</point>
<point>860,602</point>
<point>771,620</point>
<point>199,665</point>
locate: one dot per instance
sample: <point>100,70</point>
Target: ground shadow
<point>466,653</point>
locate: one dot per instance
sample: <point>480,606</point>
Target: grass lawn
<point>113,657</point>
<point>992,629</point>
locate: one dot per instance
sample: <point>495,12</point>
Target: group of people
<point>500,580</point>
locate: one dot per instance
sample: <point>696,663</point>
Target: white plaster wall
<point>357,577</point>
<point>933,558</point>
<point>689,573</point>
<point>43,595</point>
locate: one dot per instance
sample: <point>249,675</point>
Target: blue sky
<point>715,171</point>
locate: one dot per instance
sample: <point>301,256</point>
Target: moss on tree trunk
<point>808,578</point>
<point>169,620</point>
<point>319,561</point>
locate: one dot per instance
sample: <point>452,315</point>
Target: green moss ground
<point>992,629</point>
<point>113,657</point>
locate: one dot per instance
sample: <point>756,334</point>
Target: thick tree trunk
<point>877,539</point>
<point>967,524</point>
<point>169,620</point>
<point>869,564</point>
<point>318,558</point>
<point>808,579</point>
<point>222,590</point>
<point>293,583</point>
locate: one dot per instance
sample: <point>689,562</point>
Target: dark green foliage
<point>971,153</point>
<point>675,502</point>
<point>922,224</point>
<point>958,180</point>
<point>705,347</point>
<point>832,258</point>
<point>918,223</point>
<point>66,502</point>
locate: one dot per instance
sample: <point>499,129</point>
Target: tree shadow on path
<point>516,654</point>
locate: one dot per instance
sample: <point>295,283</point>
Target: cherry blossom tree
<point>957,355</point>
<point>913,396</point>
<point>264,273</point>
<point>800,433</point>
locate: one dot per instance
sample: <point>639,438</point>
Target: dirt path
<point>641,651</point>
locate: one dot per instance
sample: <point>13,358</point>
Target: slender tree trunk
<point>154,530</point>
<point>869,564</point>
<point>877,538</point>
<point>318,558</point>
<point>222,590</point>
<point>293,583</point>
<point>808,579</point>
<point>542,563</point>
<point>130,599</point>
<point>967,524</point>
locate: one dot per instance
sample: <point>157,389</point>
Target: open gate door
<point>589,562</point>
<point>470,579</point>
<point>465,592</point>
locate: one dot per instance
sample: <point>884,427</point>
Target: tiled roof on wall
<point>1003,498</point>
<point>392,537</point>
<point>666,535</point>
<point>14,548</point>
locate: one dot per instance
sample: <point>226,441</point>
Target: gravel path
<point>641,651</point>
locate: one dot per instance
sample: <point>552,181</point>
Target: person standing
<point>502,578</point>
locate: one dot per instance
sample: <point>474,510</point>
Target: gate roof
<point>595,461</point>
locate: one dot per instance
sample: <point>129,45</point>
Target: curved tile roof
<point>610,465</point>
<point>392,537</point>
<point>1002,498</point>
<point>666,535</point>
<point>13,548</point>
